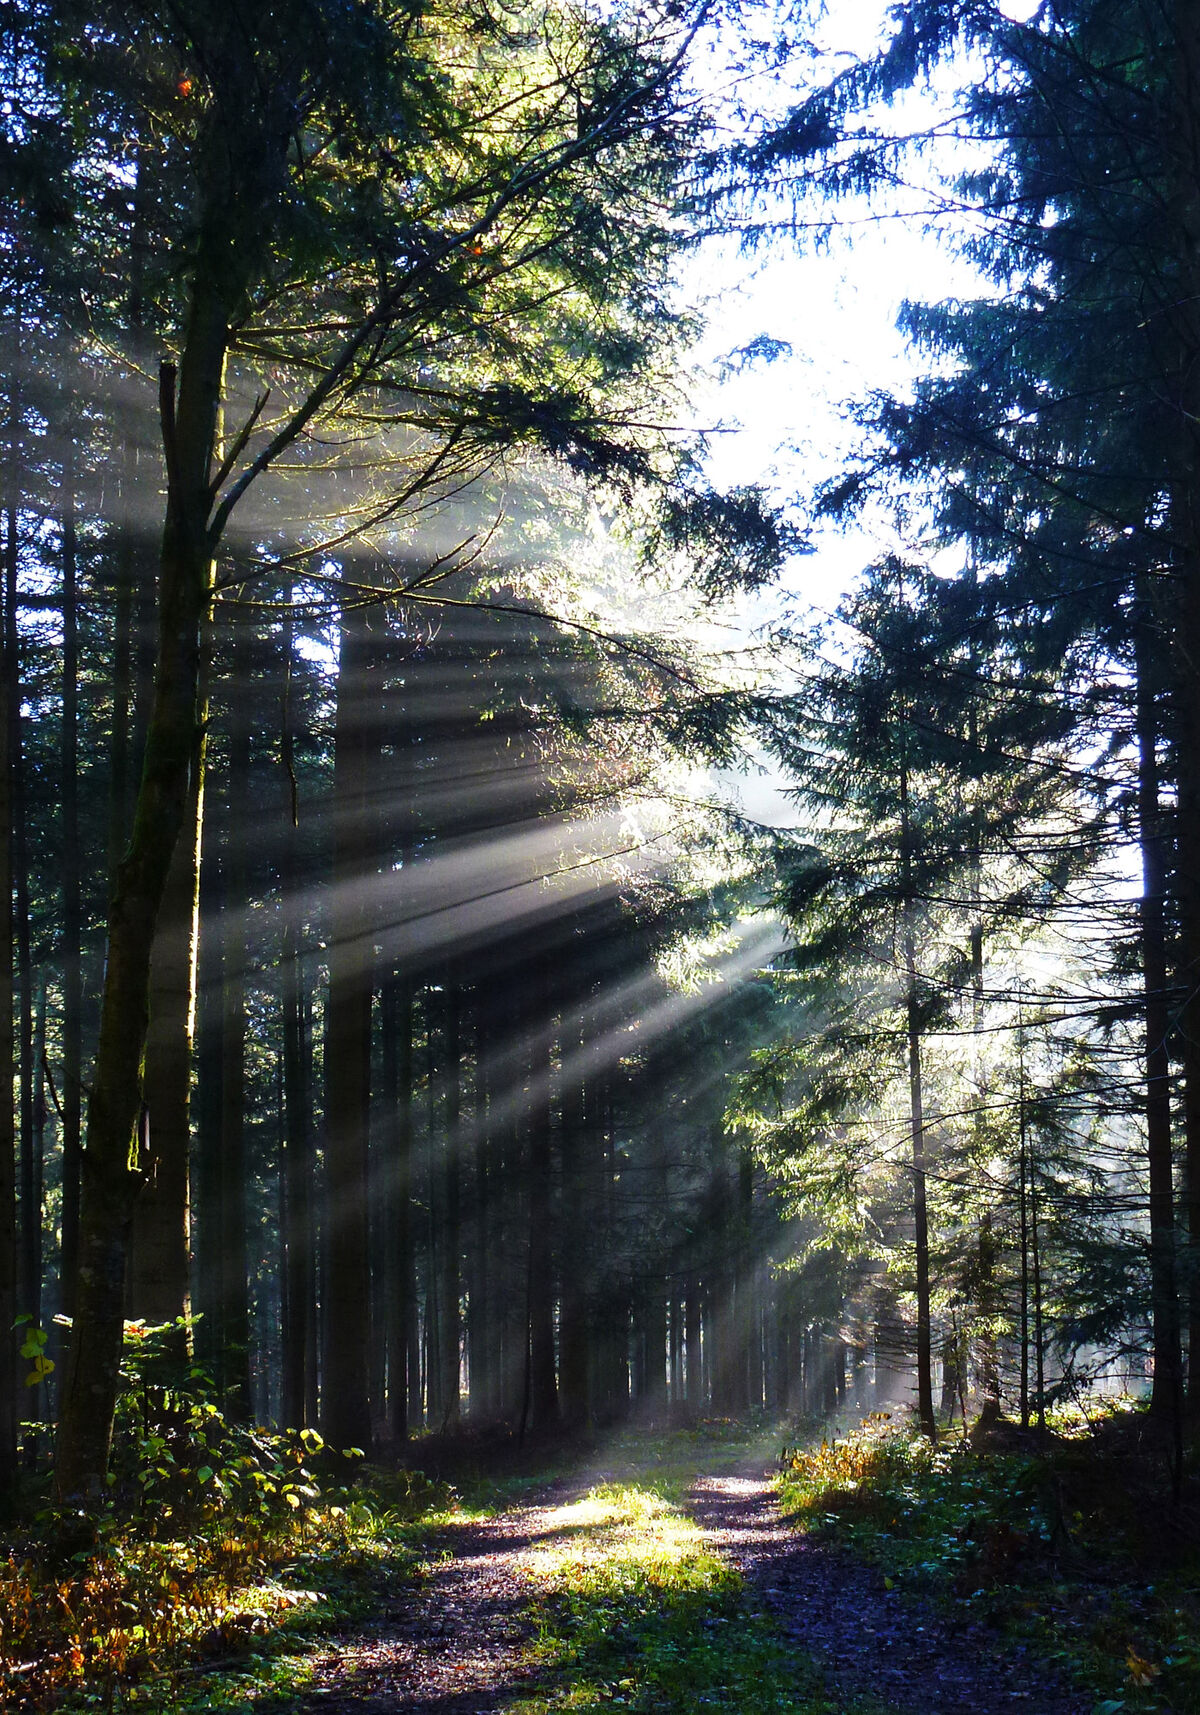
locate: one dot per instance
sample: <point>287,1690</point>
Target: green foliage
<point>929,1513</point>
<point>1067,1541</point>
<point>217,1539</point>
<point>180,1460</point>
<point>33,1350</point>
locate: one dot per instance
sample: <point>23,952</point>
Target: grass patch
<point>1071,1542</point>
<point>634,1612</point>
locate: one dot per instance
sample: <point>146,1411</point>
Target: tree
<point>432,242</point>
<point>1053,433</point>
<point>937,831</point>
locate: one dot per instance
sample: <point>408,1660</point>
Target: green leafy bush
<point>216,1538</point>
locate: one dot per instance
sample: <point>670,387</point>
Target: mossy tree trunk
<point>159,1285</point>
<point>112,1168</point>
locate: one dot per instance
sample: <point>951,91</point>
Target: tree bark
<point>234,1302</point>
<point>132,580</point>
<point>345,1398</point>
<point>30,1241</point>
<point>9,1383</point>
<point>111,1163</point>
<point>578,1223</point>
<point>159,1288</point>
<point>1181,325</point>
<point>71,943</point>
<point>397,1074</point>
<point>1166,1399</point>
<point>916,1111</point>
<point>299,1283</point>
<point>480,1319</point>
<point>451,1286</point>
<point>543,1383</point>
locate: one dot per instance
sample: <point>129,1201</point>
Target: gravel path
<point>871,1641</point>
<point>455,1646</point>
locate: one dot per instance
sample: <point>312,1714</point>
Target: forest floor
<point>689,1571</point>
<point>666,1579</point>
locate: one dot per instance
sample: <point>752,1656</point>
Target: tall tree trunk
<point>159,1285</point>
<point>111,1167</point>
<point>1023,1219</point>
<point>450,1291</point>
<point>312,1359</point>
<point>298,1259</point>
<point>30,1269</point>
<point>36,1398</point>
<point>206,1176</point>
<point>480,1321</point>
<point>299,1284</point>
<point>71,942</point>
<point>578,1218</point>
<point>434,1222</point>
<point>916,1126</point>
<point>987,1249</point>
<point>397,1075</point>
<point>1181,363</point>
<point>511,1323</point>
<point>543,1384</point>
<point>240,160</point>
<point>720,1332</point>
<point>1166,1399</point>
<point>748,1297</point>
<point>345,1399</point>
<point>133,579</point>
<point>694,1361</point>
<point>9,1411</point>
<point>233,928</point>
<point>1035,1266</point>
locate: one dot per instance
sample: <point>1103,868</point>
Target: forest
<point>445,1114</point>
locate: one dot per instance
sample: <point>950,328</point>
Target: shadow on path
<point>870,1641</point>
<point>454,1646</point>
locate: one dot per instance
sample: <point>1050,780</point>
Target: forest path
<point>870,1642</point>
<point>458,1646</point>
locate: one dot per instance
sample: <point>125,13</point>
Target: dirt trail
<point>456,1646</point>
<point>871,1641</point>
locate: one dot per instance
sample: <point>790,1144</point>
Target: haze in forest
<point>599,730</point>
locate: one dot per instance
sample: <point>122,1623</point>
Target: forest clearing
<point>600,855</point>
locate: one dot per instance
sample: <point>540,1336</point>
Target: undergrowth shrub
<point>212,1536</point>
<point>1069,1539</point>
<point>940,1512</point>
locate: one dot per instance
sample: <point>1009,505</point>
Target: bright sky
<point>836,307</point>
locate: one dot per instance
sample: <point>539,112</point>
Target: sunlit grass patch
<point>635,1611</point>
<point>669,1460</point>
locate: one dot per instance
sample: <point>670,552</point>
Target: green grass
<point>633,1611</point>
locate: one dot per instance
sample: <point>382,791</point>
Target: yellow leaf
<point>1141,1671</point>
